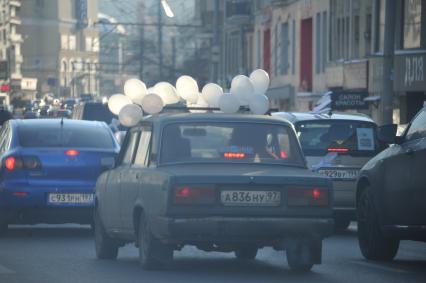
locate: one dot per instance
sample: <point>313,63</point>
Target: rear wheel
<point>299,258</point>
<point>373,244</point>
<point>246,253</point>
<point>106,247</point>
<point>152,253</point>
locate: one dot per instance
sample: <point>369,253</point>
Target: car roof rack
<point>185,109</point>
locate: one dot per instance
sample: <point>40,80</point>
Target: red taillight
<point>340,150</point>
<point>316,193</point>
<point>72,152</point>
<point>194,195</point>
<point>307,197</point>
<point>27,162</point>
<point>12,163</point>
<point>31,162</point>
<point>234,155</point>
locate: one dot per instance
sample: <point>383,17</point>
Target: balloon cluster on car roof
<point>138,99</point>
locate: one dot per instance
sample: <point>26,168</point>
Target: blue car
<point>49,169</point>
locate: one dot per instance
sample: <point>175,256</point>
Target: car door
<point>116,178</point>
<point>129,191</point>
<point>416,146</point>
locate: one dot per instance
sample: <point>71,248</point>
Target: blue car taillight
<point>13,163</point>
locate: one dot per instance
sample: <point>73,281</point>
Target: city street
<point>66,254</point>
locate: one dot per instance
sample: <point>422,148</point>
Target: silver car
<point>338,146</point>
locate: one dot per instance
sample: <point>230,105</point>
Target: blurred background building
<point>308,47</point>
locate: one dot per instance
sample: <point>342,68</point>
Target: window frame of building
<point>318,52</point>
<point>72,42</point>
<point>324,40</point>
<point>407,37</point>
<point>284,50</point>
<point>64,42</point>
<point>293,48</point>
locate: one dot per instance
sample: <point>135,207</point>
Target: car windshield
<point>230,143</point>
<point>322,136</point>
<point>77,136</point>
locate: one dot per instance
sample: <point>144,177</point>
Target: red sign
<point>5,88</point>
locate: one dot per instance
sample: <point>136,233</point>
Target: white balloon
<point>152,103</point>
<point>211,94</point>
<point>150,90</point>
<point>191,98</point>
<point>260,80</point>
<point>259,104</point>
<point>201,103</point>
<point>167,93</point>
<point>237,79</point>
<point>243,89</point>
<point>130,115</point>
<point>187,88</point>
<point>117,101</point>
<point>135,89</point>
<point>229,104</point>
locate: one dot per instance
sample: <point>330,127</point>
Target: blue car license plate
<point>70,199</point>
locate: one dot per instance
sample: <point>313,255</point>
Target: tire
<point>372,243</point>
<point>246,253</point>
<point>152,253</point>
<point>341,223</point>
<point>297,260</point>
<point>105,246</point>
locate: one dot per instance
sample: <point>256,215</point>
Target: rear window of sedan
<point>72,136</point>
<point>230,143</point>
<point>318,137</point>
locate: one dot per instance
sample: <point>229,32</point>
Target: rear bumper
<point>48,215</point>
<point>29,205</point>
<point>344,193</point>
<point>240,229</point>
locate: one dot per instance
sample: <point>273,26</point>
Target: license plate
<point>344,174</point>
<point>250,198</point>
<point>70,198</point>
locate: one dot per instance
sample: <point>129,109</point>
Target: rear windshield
<point>97,112</point>
<point>230,143</point>
<point>320,137</point>
<point>68,136</point>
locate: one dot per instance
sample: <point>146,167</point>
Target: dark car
<point>30,115</point>
<point>92,111</point>
<point>49,169</point>
<point>391,192</point>
<point>218,182</point>
<point>59,113</point>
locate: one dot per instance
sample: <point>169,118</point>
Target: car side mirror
<point>107,163</point>
<point>387,133</point>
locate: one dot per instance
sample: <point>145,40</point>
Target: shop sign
<point>349,100</point>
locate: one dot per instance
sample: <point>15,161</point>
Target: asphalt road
<point>66,254</point>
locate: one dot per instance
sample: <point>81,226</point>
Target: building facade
<point>409,80</point>
<point>10,50</point>
<point>61,46</point>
